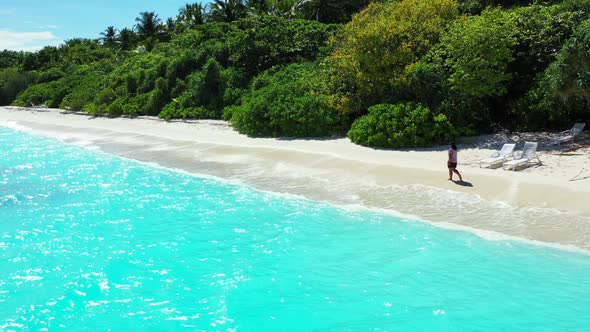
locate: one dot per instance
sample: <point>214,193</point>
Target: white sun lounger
<point>498,157</point>
<point>526,158</point>
<point>569,135</point>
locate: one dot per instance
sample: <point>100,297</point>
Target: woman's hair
<point>453,146</point>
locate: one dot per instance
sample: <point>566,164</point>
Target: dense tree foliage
<point>393,74</point>
<point>10,58</point>
<point>478,50</point>
<point>562,92</point>
<point>372,52</point>
<point>13,82</point>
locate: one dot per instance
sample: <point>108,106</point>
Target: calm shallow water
<point>89,241</point>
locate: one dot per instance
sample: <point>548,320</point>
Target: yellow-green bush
<point>372,52</point>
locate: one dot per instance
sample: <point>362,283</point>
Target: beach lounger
<point>526,158</point>
<point>498,158</point>
<point>569,135</point>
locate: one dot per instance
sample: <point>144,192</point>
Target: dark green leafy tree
<point>45,58</point>
<point>268,41</point>
<point>562,94</point>
<point>81,51</point>
<point>570,74</point>
<point>12,82</point>
<point>540,33</point>
<point>10,58</point>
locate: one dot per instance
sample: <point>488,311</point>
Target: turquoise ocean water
<point>90,241</point>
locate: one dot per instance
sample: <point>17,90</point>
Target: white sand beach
<point>547,203</point>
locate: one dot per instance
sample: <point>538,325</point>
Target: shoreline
<point>538,203</point>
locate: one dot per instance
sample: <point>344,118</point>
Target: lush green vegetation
<point>290,101</point>
<point>391,74</point>
<point>402,125</point>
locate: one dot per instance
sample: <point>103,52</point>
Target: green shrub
<point>289,101</point>
<point>116,108</point>
<point>173,111</point>
<point>404,125</point>
<point>106,96</point>
<point>93,109</point>
<point>39,94</point>
<point>136,105</point>
<point>81,88</point>
<point>170,111</point>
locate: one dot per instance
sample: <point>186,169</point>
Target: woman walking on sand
<point>452,163</point>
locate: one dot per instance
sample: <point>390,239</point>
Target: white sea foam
<point>15,126</point>
<point>484,234</point>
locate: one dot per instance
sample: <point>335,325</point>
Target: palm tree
<point>170,24</point>
<point>148,25</point>
<point>284,8</point>
<point>330,11</point>
<point>192,15</point>
<point>227,10</point>
<point>257,7</point>
<point>126,39</point>
<point>109,36</point>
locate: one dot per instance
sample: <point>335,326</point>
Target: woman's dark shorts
<point>451,165</point>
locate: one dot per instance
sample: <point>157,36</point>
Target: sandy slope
<point>549,203</point>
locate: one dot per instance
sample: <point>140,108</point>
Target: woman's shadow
<point>463,183</point>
